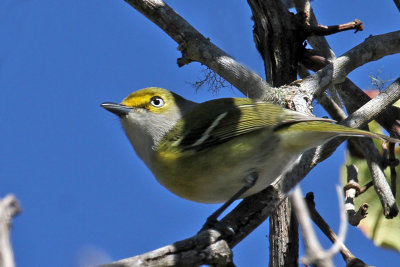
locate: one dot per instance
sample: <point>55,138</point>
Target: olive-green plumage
<point>203,152</point>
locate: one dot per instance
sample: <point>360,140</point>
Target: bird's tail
<point>307,134</point>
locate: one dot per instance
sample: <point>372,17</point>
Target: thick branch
<point>283,236</point>
<point>203,248</point>
<point>277,39</point>
<point>195,47</point>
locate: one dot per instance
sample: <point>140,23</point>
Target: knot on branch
<point>352,189</point>
<point>352,185</point>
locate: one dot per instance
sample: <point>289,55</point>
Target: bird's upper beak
<point>118,109</point>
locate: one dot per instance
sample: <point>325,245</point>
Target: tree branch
<point>374,107</point>
<point>326,229</point>
<point>353,98</point>
<point>195,47</point>
<point>322,30</point>
<point>277,39</point>
<point>203,248</point>
<point>373,48</point>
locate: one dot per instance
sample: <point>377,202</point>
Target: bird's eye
<point>157,101</point>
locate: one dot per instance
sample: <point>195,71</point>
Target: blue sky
<point>86,196</point>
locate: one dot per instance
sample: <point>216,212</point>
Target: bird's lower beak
<point>118,109</point>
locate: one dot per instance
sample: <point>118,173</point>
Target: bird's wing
<point>218,121</point>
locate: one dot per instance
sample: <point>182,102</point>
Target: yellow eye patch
<point>149,98</point>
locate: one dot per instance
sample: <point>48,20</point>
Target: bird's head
<point>147,115</point>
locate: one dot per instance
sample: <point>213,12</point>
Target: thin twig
<point>315,254</point>
<point>339,242</point>
<point>322,30</point>
<point>325,228</point>
<point>364,188</point>
<point>9,207</point>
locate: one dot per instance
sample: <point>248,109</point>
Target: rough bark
<point>283,236</point>
<point>276,37</point>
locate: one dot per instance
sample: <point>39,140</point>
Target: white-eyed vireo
<point>205,152</point>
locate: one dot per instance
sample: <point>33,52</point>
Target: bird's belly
<point>217,182</point>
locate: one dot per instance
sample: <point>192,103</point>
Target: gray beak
<point>118,109</point>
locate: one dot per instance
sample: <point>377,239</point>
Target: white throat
<point>145,130</point>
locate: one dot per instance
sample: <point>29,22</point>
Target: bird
<point>223,149</point>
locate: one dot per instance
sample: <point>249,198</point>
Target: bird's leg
<point>212,220</point>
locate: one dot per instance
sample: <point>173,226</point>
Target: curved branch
<point>373,48</point>
<point>195,47</point>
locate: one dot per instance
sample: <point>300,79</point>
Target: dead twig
<point>352,189</point>
<point>326,229</point>
<point>9,207</point>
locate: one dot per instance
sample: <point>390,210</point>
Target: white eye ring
<point>157,101</point>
